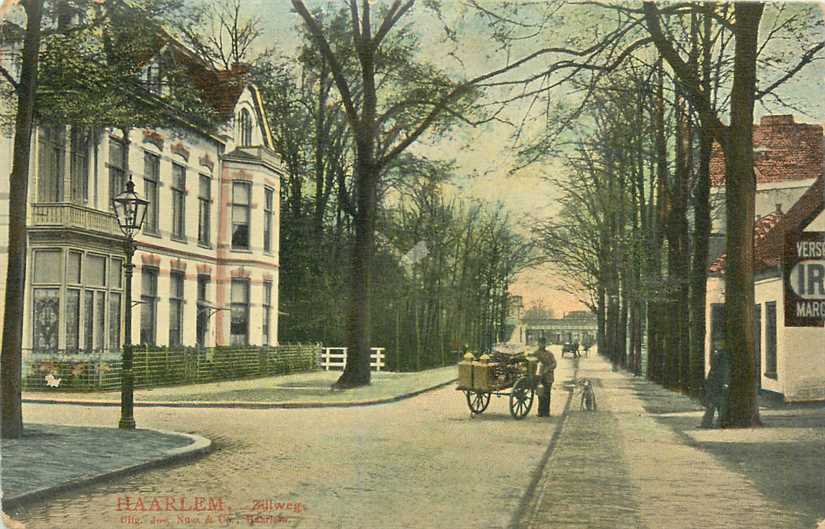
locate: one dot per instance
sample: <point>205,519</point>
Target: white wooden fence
<point>335,358</point>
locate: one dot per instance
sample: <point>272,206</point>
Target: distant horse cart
<point>570,348</point>
<point>509,375</point>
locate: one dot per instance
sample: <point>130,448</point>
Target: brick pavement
<point>625,467</point>
<point>51,456</point>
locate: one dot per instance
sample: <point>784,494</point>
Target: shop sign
<point>804,279</point>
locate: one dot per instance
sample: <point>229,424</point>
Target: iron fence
<point>153,367</point>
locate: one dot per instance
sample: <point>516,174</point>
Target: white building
<point>790,360</point>
<point>206,268</point>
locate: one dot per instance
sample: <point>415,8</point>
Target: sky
<point>486,154</point>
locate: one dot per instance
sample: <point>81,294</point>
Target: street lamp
<point>130,210</point>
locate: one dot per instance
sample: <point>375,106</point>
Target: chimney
<point>780,119</point>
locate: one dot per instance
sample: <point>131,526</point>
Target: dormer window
<point>151,77</point>
<point>245,128</point>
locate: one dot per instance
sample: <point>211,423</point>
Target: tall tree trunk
<point>601,330</point>
<point>702,225</point>
<point>658,208</point>
<point>740,192</point>
<point>357,371</point>
<point>11,359</point>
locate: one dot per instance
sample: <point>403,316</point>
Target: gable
<point>249,110</point>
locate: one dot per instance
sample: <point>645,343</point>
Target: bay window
<point>239,325</point>
<point>241,194</point>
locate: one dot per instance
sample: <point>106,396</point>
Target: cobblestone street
<point>420,463</point>
<point>637,462</point>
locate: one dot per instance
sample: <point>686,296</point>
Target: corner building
<point>206,266</point>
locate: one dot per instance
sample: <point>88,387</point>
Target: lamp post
<point>130,210</point>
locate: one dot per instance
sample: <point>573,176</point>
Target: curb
<point>251,405</point>
<point>199,447</point>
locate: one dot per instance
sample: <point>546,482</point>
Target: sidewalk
<point>51,458</point>
<point>641,461</point>
<point>301,390</point>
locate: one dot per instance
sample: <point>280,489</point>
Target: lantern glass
<point>130,210</point>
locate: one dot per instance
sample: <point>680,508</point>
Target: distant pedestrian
<point>576,346</point>
<point>546,376</point>
<point>716,386</point>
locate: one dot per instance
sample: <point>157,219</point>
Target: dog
<point>588,400</point>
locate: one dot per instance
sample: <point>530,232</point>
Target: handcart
<point>499,374</point>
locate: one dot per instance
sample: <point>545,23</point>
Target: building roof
<point>770,230</point>
<point>218,88</point>
<point>783,151</point>
<point>768,254</point>
<point>761,228</point>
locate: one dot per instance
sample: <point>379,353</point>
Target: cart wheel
<point>521,398</point>
<point>477,401</point>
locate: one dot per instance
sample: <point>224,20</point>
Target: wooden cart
<point>499,374</point>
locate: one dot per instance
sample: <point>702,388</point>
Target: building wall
<point>198,154</point>
<point>770,290</point>
<point>768,197</point>
<point>806,352</point>
<point>800,373</point>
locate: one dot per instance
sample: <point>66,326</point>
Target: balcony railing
<point>264,154</point>
<point>66,215</point>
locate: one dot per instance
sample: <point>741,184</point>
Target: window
<point>46,313</point>
<point>114,320</point>
<point>267,304</point>
<point>245,128</point>
<point>74,298</point>
<point>152,77</point>
<point>178,201</point>
<point>47,267</point>
<point>757,341</point>
<point>151,176</point>
<point>100,319</point>
<point>72,319</point>
<point>204,205</point>
<point>176,309</point>
<point>240,215</point>
<point>80,165</point>
<point>94,323</point>
<point>46,300</point>
<point>117,178</point>
<point>239,326</point>
<point>148,307</point>
<point>52,162</point>
<point>770,339</point>
<point>95,270</point>
<point>88,322</point>
<point>116,273</point>
<point>202,320</point>
<point>73,268</point>
<point>268,214</point>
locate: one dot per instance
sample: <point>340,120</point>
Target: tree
<point>379,138</point>
<point>736,141</point>
<point>11,359</point>
<point>85,74</point>
<point>218,34</point>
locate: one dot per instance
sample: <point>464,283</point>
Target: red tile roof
<point>783,150</point>
<point>768,254</point>
<point>769,231</point>
<point>219,88</point>
<point>761,228</point>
